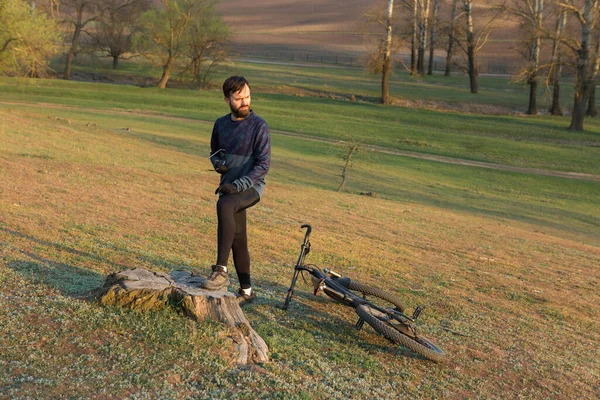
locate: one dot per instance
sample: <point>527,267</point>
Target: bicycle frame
<point>332,288</point>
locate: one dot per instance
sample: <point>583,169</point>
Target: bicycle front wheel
<point>383,326</point>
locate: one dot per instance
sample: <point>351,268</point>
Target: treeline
<point>554,35</point>
<point>175,35</point>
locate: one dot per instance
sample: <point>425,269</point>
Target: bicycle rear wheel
<point>376,292</point>
<point>418,344</point>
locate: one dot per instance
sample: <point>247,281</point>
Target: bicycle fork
<point>304,250</point>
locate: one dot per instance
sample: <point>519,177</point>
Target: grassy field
<point>97,178</point>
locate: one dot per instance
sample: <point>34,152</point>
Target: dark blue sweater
<point>247,144</point>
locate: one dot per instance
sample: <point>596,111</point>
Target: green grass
<point>540,142</point>
<point>121,180</point>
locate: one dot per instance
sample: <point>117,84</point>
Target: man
<point>241,153</point>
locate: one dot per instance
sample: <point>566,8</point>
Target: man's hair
<point>234,84</point>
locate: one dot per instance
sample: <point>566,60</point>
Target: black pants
<point>231,232</point>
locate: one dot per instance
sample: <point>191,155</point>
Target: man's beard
<point>240,113</point>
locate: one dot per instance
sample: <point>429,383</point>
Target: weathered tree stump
<point>143,290</point>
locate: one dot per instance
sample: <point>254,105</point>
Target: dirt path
<point>379,149</point>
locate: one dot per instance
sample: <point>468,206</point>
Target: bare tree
<point>116,27</point>
<point>530,13</point>
<point>163,39</point>
<point>78,14</point>
<point>385,75</point>
<point>471,46</point>
<point>432,37</point>
<point>472,40</point>
<point>414,37</point>
<point>586,14</point>
<point>451,38</point>
<point>556,62</point>
<point>422,32</point>
<point>208,36</point>
<point>351,149</point>
<point>591,110</point>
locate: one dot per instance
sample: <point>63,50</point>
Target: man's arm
<point>214,139</point>
<point>262,160</point>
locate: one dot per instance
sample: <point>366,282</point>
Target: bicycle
<point>391,323</point>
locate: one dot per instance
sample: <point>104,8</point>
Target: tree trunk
<point>535,57</point>
<point>115,63</point>
<point>142,290</point>
<point>385,76</point>
<point>433,23</point>
<point>555,107</point>
<point>162,83</point>
<point>348,162</point>
<point>532,109</point>
<point>450,51</point>
<point>471,52</point>
<point>75,40</point>
<point>591,110</point>
<point>74,47</point>
<point>584,69</point>
<point>67,73</point>
<point>423,20</point>
<point>579,108</point>
<point>414,39</point>
<point>556,64</point>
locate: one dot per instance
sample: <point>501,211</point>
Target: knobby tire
<point>419,345</point>
<point>373,291</point>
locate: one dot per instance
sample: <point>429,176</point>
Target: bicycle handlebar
<point>308,229</point>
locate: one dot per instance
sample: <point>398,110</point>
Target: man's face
<point>239,103</point>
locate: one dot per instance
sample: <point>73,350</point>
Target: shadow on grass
<point>317,329</point>
<point>302,325</point>
<point>68,279</point>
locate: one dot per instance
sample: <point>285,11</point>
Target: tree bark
<point>74,45</point>
<point>532,109</point>
<point>450,51</point>
<point>142,290</point>
<point>414,39</point>
<point>591,110</point>
<point>348,162</point>
<point>471,52</point>
<point>162,83</point>
<point>115,63</point>
<point>556,64</point>
<point>584,79</point>
<point>385,76</point>
<point>423,23</point>
<point>535,56</point>
<point>432,24</point>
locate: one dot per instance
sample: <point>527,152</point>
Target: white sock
<point>224,267</point>
<point>247,292</point>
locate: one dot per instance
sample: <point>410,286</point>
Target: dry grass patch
<point>514,304</point>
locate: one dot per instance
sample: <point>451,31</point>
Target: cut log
<point>143,290</point>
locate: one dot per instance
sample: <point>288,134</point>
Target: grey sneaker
<point>217,280</point>
<point>245,298</point>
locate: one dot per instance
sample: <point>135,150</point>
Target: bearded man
<point>241,153</point>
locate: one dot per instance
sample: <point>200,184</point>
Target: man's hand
<point>228,188</point>
<point>222,169</point>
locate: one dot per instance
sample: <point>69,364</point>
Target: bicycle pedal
<point>359,324</point>
<point>417,312</point>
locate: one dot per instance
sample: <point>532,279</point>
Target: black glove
<point>228,188</point>
<point>221,168</point>
<point>218,160</point>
